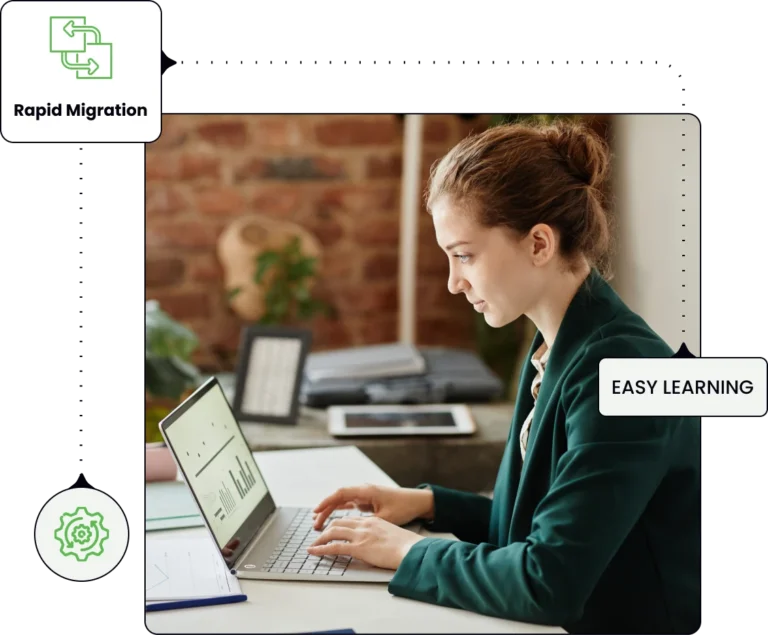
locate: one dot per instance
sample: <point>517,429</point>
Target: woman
<point>594,523</point>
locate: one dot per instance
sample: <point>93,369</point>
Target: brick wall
<point>336,175</point>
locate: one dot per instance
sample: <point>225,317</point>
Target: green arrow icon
<point>67,532</point>
<point>70,29</point>
<point>95,532</point>
<point>92,65</point>
<point>70,35</point>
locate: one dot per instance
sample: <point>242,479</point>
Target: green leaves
<point>168,349</point>
<point>264,262</point>
<point>285,275</point>
<point>165,336</point>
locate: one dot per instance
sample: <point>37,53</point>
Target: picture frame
<point>270,369</point>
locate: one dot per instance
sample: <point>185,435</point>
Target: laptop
<point>257,539</point>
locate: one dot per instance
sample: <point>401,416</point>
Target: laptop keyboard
<point>290,555</point>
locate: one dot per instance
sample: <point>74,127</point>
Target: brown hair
<point>518,175</point>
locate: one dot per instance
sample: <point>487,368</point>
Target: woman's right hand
<point>398,505</point>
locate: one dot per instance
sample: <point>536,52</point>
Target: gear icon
<point>81,534</point>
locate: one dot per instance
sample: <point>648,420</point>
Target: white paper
<point>291,475</point>
<point>187,568</point>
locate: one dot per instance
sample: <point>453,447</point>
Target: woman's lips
<point>479,306</point>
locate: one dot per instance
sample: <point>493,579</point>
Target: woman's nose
<point>456,284</point>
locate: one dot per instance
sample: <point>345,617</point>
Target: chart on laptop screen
<point>217,463</point>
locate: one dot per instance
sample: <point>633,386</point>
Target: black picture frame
<point>248,337</point>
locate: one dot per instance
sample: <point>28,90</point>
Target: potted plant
<point>169,373</point>
<point>286,275</point>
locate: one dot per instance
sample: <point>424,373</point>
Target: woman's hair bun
<point>583,150</point>
<point>518,175</point>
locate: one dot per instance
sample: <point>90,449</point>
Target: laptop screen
<point>217,464</point>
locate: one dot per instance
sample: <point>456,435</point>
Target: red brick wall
<point>338,176</point>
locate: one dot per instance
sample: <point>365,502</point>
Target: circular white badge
<point>81,533</point>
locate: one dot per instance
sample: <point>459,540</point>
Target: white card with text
<point>81,71</point>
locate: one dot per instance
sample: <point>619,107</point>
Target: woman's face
<point>490,266</point>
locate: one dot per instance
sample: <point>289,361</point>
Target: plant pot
<point>159,462</point>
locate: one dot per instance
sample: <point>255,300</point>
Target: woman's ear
<point>543,244</point>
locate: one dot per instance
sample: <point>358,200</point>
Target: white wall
<point>650,238</point>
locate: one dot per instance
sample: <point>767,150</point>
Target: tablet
<point>400,420</point>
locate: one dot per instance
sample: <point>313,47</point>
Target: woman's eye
<point>463,258</point>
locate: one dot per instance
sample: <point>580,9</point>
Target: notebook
<point>381,360</point>
<point>185,569</point>
<point>170,505</point>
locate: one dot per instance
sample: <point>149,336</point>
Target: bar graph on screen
<point>228,502</point>
<point>246,480</point>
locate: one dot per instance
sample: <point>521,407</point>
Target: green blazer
<point>600,529</point>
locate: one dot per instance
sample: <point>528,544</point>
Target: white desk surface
<point>303,478</point>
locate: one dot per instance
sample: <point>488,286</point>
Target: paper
<point>186,569</point>
<point>170,505</point>
<point>293,487</point>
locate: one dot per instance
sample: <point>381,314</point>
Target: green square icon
<point>63,38</point>
<point>98,58</point>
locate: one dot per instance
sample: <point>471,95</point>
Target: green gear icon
<point>81,534</point>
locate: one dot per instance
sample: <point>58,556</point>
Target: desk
<point>468,463</point>
<point>295,607</point>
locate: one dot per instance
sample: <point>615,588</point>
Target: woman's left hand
<point>370,539</point>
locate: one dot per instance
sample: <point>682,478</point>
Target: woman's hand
<point>370,539</point>
<point>398,505</point>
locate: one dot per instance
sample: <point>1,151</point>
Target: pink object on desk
<point>160,463</point>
